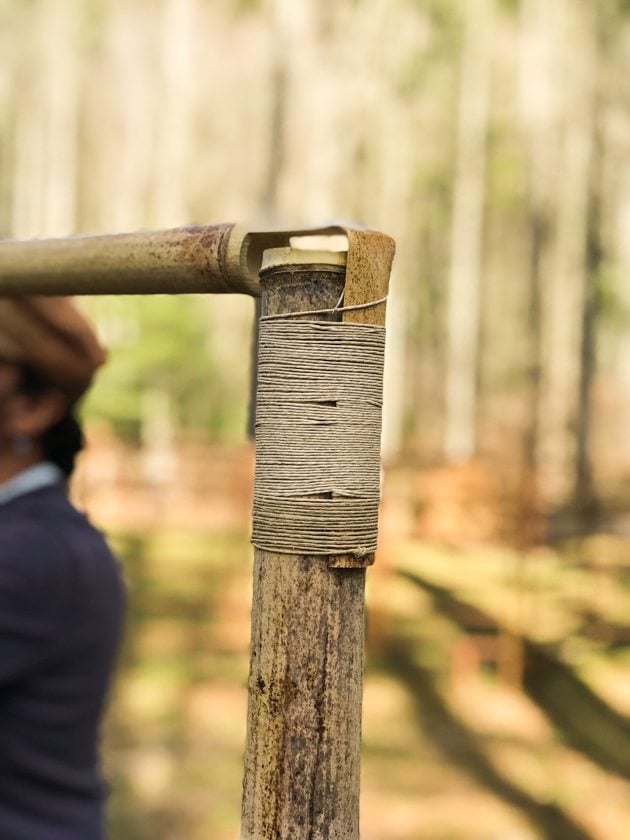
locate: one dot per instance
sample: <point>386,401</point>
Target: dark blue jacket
<point>61,613</point>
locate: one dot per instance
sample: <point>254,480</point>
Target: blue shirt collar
<point>33,478</point>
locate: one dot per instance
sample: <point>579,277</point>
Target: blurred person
<point>61,591</point>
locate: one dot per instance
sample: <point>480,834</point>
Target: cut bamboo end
<point>277,257</point>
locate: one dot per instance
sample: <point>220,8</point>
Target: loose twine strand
<point>318,430</point>
<point>336,308</point>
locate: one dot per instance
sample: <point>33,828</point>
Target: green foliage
<point>446,18</point>
<point>506,176</point>
<point>159,344</point>
<point>242,6</point>
<point>444,13</point>
<point>511,6</point>
<point>612,308</point>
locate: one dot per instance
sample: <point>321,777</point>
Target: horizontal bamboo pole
<point>221,259</point>
<point>187,259</point>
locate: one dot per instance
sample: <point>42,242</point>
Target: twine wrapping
<point>318,432</point>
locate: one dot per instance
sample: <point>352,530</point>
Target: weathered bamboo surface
<point>304,727</point>
<point>217,259</point>
<point>370,256</point>
<point>187,259</point>
<point>302,758</point>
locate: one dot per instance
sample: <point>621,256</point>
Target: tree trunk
<point>466,234</point>
<point>566,294</point>
<point>584,491</point>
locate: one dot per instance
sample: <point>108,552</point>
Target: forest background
<point>491,138</point>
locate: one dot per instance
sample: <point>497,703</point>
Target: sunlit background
<point>491,138</point>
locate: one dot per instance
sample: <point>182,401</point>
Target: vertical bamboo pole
<point>302,759</point>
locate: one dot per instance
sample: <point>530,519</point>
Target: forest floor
<point>177,726</point>
<point>497,688</point>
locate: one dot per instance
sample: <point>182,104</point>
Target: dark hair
<point>63,441</point>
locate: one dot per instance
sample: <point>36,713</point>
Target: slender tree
<point>466,232</point>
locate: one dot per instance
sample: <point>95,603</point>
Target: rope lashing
<point>318,432</point>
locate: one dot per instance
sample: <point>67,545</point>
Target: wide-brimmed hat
<point>52,337</point>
